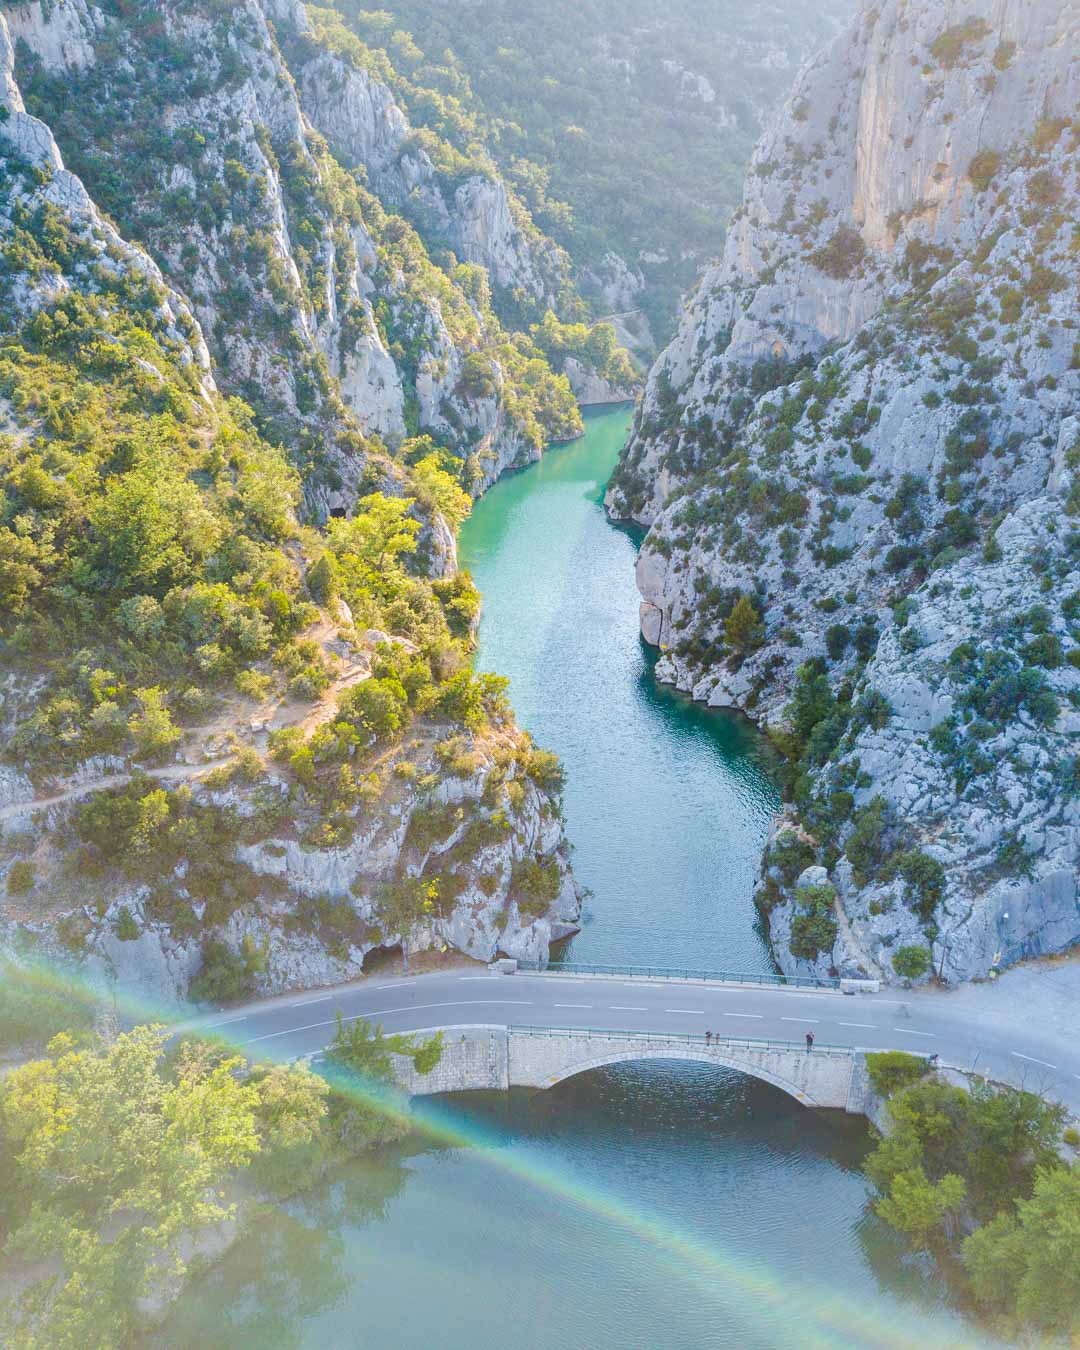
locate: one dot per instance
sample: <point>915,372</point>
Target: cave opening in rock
<point>382,960</point>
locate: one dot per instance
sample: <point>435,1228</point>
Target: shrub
<point>253,684</point>
<point>925,877</point>
<point>21,877</point>
<point>843,254</point>
<point>983,169</point>
<point>837,638</point>
<point>1072,1137</point>
<point>893,1070</point>
<point>949,49</point>
<point>152,727</point>
<point>814,930</point>
<point>227,976</point>
<point>863,846</point>
<point>127,930</point>
<point>790,854</point>
<point>545,769</point>
<point>912,963</point>
<point>537,886</point>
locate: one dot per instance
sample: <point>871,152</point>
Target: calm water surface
<point>667,804</point>
<point>637,1207</point>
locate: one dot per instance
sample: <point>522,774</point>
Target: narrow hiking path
<point>239,720</point>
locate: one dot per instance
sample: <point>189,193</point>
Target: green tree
<point>127,930</point>
<point>743,628</point>
<point>370,546</point>
<point>290,1115</point>
<point>153,527</point>
<point>441,491</point>
<point>116,1164</point>
<point>1027,1264</point>
<point>892,1070</point>
<point>923,1210</point>
<point>379,706</point>
<point>152,727</point>
<point>322,580</point>
<point>911,963</point>
<point>402,906</point>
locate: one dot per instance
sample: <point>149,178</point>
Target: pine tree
<point>744,630</point>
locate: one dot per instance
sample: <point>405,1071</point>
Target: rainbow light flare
<point>829,1319</point>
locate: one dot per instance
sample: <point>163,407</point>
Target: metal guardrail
<point>677,973</point>
<point>682,1038</point>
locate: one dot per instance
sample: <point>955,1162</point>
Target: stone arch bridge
<point>496,1058</point>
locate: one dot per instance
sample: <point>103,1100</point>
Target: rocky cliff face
<point>856,461</point>
<point>207,134</point>
<point>460,818</point>
<point>166,616</point>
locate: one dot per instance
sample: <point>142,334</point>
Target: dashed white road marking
<point>814,1020</point>
<point>386,1012</point>
<point>586,1006</point>
<point>906,1031</point>
<point>615,1007</point>
<point>690,1012</point>
<point>307,1002</point>
<point>754,1017</point>
<point>225,1021</point>
<point>866,1026</point>
<point>1032,1060</point>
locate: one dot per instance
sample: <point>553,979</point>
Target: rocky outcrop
<point>42,183</point>
<point>592,389</point>
<point>862,436</point>
<point>321,309</point>
<point>314,912</point>
<point>365,126</point>
<point>330,314</point>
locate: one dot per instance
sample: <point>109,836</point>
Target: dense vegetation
<point>977,1178</point>
<point>114,1153</point>
<point>248,298</point>
<point>584,109</point>
<point>167,580</point>
<point>144,535</point>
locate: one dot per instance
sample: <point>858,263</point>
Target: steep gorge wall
<point>865,429</point>
<point>206,129</point>
<point>106,358</point>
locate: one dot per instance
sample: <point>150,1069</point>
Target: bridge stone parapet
<point>479,1058</point>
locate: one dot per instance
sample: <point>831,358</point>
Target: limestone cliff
<point>236,740</point>
<point>266,174</point>
<point>856,460</point>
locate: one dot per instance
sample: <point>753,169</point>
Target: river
<point>665,1205</point>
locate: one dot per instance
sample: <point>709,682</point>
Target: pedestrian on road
<point>809,1041</point>
<point>708,1038</point>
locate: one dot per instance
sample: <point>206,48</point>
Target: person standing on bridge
<point>809,1041</point>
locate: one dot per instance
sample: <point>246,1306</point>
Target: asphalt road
<point>1013,1049</point>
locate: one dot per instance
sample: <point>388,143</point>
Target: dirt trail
<point>171,773</point>
<point>236,718</point>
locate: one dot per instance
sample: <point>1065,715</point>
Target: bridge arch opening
<point>713,1058</point>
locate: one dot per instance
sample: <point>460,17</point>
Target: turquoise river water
<point>642,1206</point>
